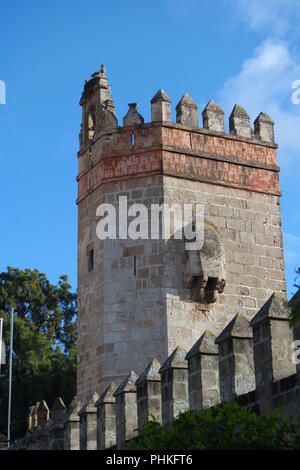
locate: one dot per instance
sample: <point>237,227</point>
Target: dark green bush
<point>225,426</point>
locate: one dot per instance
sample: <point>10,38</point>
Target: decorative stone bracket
<point>204,269</point>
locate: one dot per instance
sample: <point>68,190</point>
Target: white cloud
<point>265,84</point>
<point>278,16</point>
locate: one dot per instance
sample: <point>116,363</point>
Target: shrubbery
<point>225,426</point>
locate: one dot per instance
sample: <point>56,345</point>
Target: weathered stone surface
<point>238,328</point>
<point>43,436</point>
<point>203,372</point>
<point>88,424</point>
<point>126,410</point>
<point>161,107</point>
<point>239,122</point>
<point>106,418</point>
<point>213,117</point>
<point>274,308</point>
<point>72,426</point>
<point>57,408</point>
<point>30,419</point>
<point>174,385</point>
<point>133,117</point>
<point>205,345</point>
<point>272,338</point>
<point>264,128</point>
<point>41,413</point>
<point>187,112</point>
<point>98,112</point>
<point>149,394</point>
<point>236,363</point>
<point>136,298</point>
<point>204,268</point>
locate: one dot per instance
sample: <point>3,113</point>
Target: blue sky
<point>229,50</point>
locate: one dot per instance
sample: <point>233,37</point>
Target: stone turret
<point>213,117</point>
<point>174,385</point>
<point>98,110</point>
<point>133,117</point>
<point>272,333</point>
<point>71,426</point>
<point>57,408</point>
<point>264,128</point>
<point>106,418</point>
<point>236,359</point>
<point>153,294</point>
<point>41,413</point>
<point>161,107</point>
<point>88,423</point>
<point>148,394</point>
<point>203,368</point>
<point>187,112</point>
<point>126,410</point>
<point>239,122</point>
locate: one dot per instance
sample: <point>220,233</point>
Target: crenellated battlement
<point>243,158</point>
<point>96,100</point>
<point>250,363</point>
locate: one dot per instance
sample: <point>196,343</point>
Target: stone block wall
<point>192,380</point>
<point>135,298</point>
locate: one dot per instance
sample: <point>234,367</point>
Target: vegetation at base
<point>223,427</point>
<point>44,349</point>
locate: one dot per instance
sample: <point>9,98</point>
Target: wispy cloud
<point>278,17</point>
<point>264,83</point>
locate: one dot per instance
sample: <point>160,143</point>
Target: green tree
<point>44,350</point>
<point>227,427</point>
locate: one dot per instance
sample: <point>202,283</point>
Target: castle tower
<point>140,298</point>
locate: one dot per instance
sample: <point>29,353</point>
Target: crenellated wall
<point>248,363</point>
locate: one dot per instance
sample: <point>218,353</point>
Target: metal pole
<point>10,372</point>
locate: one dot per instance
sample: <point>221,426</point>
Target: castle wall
<point>249,224</point>
<point>258,370</point>
<point>122,307</point>
<point>135,303</point>
<point>125,317</point>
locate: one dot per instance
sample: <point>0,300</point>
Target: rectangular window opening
<point>91,261</point>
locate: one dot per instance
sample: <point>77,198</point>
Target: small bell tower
<point>98,110</point>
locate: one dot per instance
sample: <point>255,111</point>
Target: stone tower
<point>140,298</point>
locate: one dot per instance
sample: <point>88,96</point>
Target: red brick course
<point>198,155</point>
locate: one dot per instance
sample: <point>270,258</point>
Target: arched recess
<point>91,123</point>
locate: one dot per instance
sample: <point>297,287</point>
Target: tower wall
<point>135,303</point>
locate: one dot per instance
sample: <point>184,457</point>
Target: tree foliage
<point>227,427</point>
<point>44,350</point>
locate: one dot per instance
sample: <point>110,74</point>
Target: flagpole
<point>10,373</point>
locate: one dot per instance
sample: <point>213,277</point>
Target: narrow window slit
<point>91,261</point>
<point>134,265</point>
